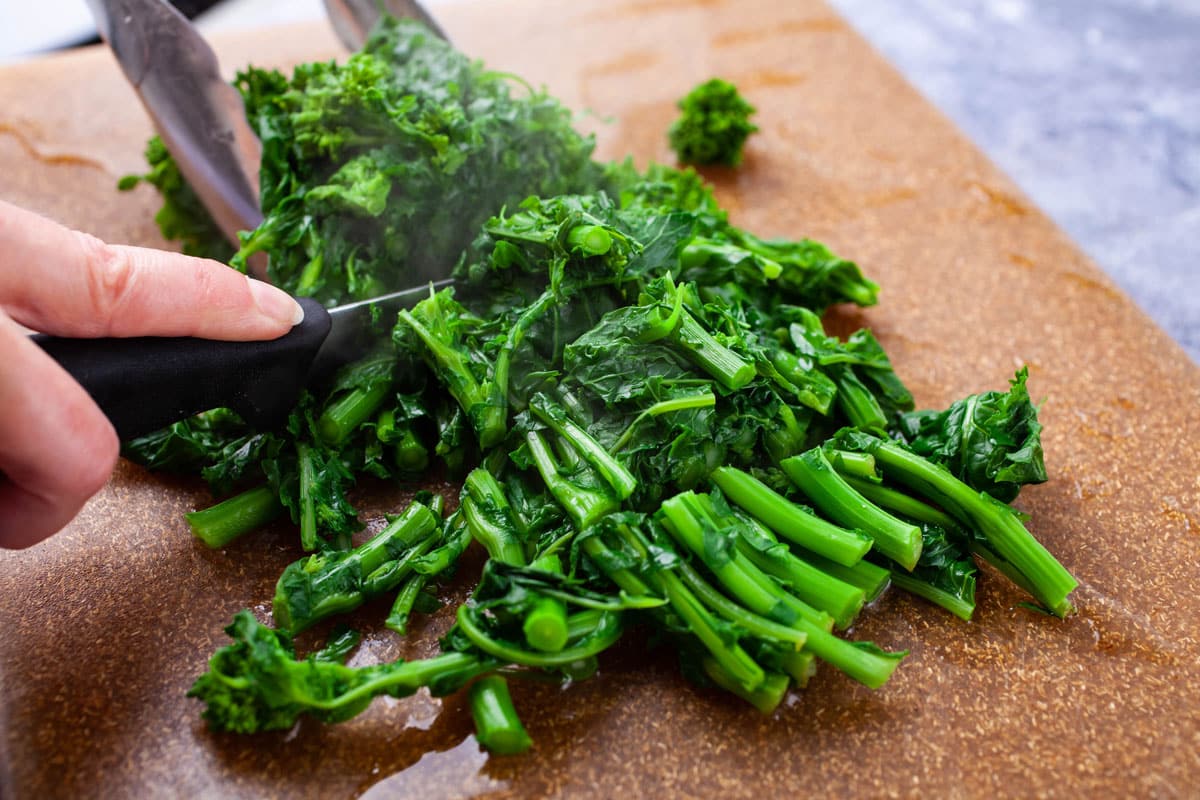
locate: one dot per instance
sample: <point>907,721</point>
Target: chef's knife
<point>145,383</point>
<point>353,20</point>
<point>197,113</point>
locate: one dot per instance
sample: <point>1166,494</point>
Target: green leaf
<point>990,441</point>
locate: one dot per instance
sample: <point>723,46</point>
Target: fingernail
<point>275,303</point>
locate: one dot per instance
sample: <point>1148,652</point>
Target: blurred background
<point>1091,106</point>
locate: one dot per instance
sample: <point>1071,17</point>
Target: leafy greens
<point>651,423</point>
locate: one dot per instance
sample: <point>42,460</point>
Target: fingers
<point>67,283</point>
<point>56,448</point>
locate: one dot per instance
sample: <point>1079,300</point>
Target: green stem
<point>952,603</point>
<point>860,465</point>
<point>902,504</point>
<point>490,518</point>
<point>786,435</point>
<point>341,417</point>
<point>814,387</point>
<point>819,589</point>
<point>583,623</point>
<point>865,664</point>
<point>701,249</point>
<point>605,635</point>
<point>456,537</point>
<point>437,505</point>
<point>800,666</point>
<point>310,275</point>
<point>416,524</point>
<point>454,370</point>
<point>493,422</point>
<point>385,426</point>
<point>703,350</point>
<point>449,670</point>
<point>397,618</point>
<point>614,473</point>
<point>391,574</point>
<point>730,655</point>
<point>752,623</point>
<point>789,520</point>
<point>685,517</point>
<point>545,625</point>
<point>816,477</point>
<point>1044,577</point>
<point>308,508</point>
<point>328,583</point>
<point>590,240</point>
<point>766,697</point>
<point>684,603</point>
<point>497,726</point>
<point>220,524</point>
<point>856,401</point>
<point>871,578</point>
<point>584,505</point>
<point>702,400</point>
<point>625,579</point>
<point>409,452</point>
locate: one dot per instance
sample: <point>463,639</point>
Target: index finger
<point>67,283</point>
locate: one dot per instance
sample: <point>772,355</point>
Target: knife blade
<point>199,116</point>
<point>145,383</point>
<point>353,20</point>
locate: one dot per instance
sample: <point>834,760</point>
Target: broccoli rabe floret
<point>714,125</point>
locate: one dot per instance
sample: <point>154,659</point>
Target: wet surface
<point>106,625</point>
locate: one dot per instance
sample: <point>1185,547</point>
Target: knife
<point>353,20</point>
<point>199,116</point>
<point>145,383</point>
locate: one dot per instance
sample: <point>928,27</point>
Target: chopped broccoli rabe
<point>713,126</point>
<point>651,422</point>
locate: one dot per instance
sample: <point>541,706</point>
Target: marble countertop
<point>1091,106</point>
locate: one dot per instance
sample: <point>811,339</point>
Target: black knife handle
<point>145,383</point>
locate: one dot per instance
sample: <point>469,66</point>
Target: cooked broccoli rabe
<point>713,125</point>
<point>994,530</point>
<point>990,440</point>
<point>338,581</point>
<point>650,420</point>
<point>497,726</point>
<point>258,684</point>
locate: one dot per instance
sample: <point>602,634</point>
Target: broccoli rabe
<point>713,126</point>
<point>258,684</point>
<point>652,425</point>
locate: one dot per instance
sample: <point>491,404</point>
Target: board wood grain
<point>106,625</point>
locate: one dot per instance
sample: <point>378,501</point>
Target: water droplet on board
<point>458,772</point>
<point>1118,629</point>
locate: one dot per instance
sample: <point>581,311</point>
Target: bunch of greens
<point>713,125</point>
<point>377,172</point>
<point>652,425</point>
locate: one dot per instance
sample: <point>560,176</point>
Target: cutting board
<point>106,625</point>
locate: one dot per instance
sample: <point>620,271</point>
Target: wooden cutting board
<point>106,625</point>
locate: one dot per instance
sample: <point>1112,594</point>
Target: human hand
<point>57,449</point>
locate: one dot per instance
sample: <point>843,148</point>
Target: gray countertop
<point>1091,106</point>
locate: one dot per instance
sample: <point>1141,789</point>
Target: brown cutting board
<point>106,625</point>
